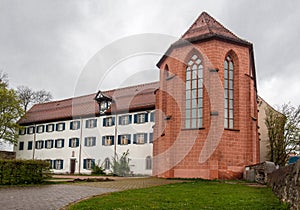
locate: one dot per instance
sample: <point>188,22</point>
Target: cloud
<point>47,44</point>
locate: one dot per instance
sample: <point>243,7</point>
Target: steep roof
<point>127,99</point>
<point>205,28</point>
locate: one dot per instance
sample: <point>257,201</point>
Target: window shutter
<point>113,120</point>
<point>129,138</point>
<point>62,143</point>
<point>42,144</point>
<point>30,145</point>
<point>51,143</point>
<point>94,141</point>
<point>77,142</point>
<point>55,144</point>
<point>103,140</point>
<point>130,119</point>
<point>113,140</point>
<point>119,139</point>
<point>47,128</point>
<point>146,117</point>
<point>104,122</point>
<point>56,127</point>
<point>135,118</point>
<point>134,138</point>
<point>85,141</point>
<point>62,164</point>
<point>95,122</point>
<point>145,138</point>
<point>93,163</point>
<point>78,124</point>
<point>120,121</point>
<point>64,126</point>
<point>71,126</point>
<point>54,164</point>
<point>152,117</point>
<point>150,137</point>
<point>70,142</point>
<point>84,164</point>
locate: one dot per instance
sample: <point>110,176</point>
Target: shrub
<point>97,169</point>
<point>15,172</point>
<point>120,165</point>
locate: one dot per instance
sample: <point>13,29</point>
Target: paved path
<point>59,195</point>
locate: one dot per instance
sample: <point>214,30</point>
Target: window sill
<point>187,129</point>
<point>232,129</point>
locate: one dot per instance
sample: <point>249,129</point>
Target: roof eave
<point>201,38</point>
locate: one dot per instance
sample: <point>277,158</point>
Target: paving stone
<point>59,195</point>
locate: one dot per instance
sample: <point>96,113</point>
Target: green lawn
<point>188,195</point>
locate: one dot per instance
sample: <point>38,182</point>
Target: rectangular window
<point>140,138</point>
<point>74,142</point>
<point>89,141</point>
<point>21,145</point>
<point>109,121</point>
<point>40,129</point>
<point>141,118</point>
<point>88,164</point>
<point>30,130</point>
<point>58,164</point>
<point>60,126</point>
<point>50,163</point>
<point>49,144</point>
<point>59,143</point>
<point>50,128</point>
<point>22,131</point>
<point>125,120</point>
<point>108,140</point>
<point>92,123</point>
<point>75,125</point>
<point>124,139</point>
<point>29,146</point>
<point>39,144</point>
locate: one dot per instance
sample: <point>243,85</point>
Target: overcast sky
<point>48,44</point>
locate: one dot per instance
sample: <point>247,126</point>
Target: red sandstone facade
<point>209,151</point>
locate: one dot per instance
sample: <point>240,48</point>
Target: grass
<point>189,195</point>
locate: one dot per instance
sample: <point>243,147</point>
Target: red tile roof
<point>204,28</point>
<point>127,99</point>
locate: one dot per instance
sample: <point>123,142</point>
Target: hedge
<point>15,172</point>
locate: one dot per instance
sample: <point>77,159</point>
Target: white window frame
<point>40,129</point>
<point>59,143</point>
<point>50,126</point>
<point>91,123</point>
<point>108,140</point>
<point>89,141</point>
<point>39,144</point>
<point>48,143</point>
<point>58,164</point>
<point>140,138</point>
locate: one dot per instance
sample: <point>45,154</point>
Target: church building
<point>200,120</point>
<point>207,127</point>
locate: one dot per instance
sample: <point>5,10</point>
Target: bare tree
<point>42,96</point>
<point>29,97</point>
<point>283,131</point>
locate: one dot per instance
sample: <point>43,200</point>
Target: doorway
<point>72,164</point>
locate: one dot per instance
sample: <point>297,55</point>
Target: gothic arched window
<point>228,92</point>
<point>194,93</point>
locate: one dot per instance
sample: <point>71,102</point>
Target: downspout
<point>34,140</point>
<point>116,136</point>
<point>80,139</point>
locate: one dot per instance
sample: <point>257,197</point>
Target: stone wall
<point>285,183</point>
<point>7,155</point>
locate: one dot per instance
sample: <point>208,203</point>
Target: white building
<point>72,134</point>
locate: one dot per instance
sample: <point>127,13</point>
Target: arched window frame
<point>229,92</point>
<point>107,164</point>
<point>194,92</point>
<point>148,163</point>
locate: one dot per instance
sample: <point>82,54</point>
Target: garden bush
<point>16,172</point>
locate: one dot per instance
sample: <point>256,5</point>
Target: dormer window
<point>104,102</point>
